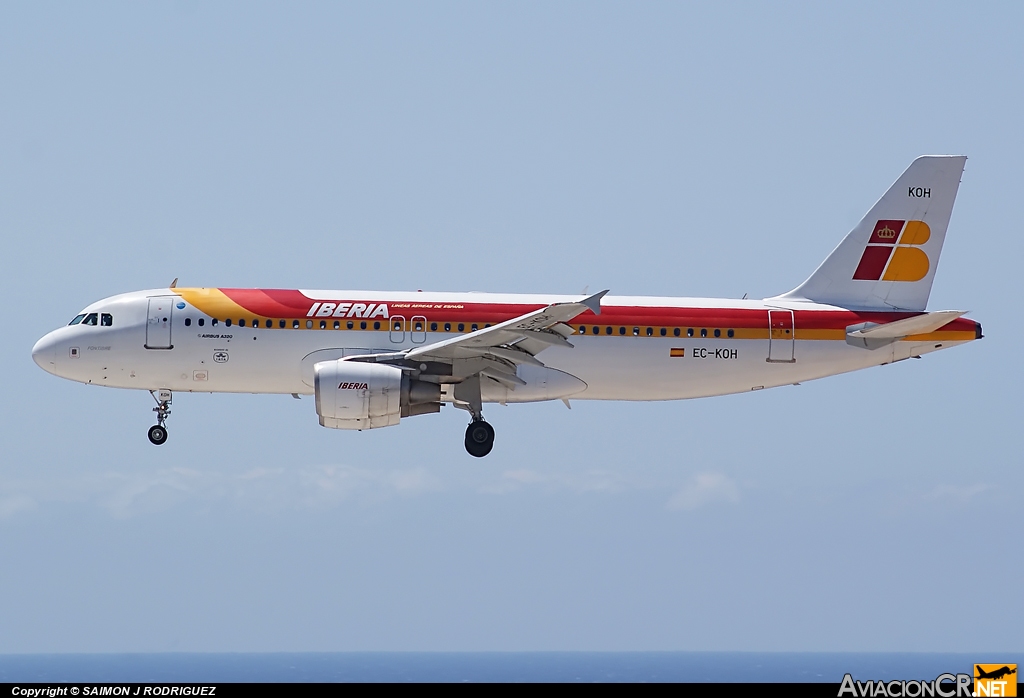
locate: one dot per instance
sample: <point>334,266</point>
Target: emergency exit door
<point>781,336</point>
<point>158,323</point>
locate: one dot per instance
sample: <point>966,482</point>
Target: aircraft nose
<point>44,353</point>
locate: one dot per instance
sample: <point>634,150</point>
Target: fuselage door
<point>782,337</point>
<point>418,331</point>
<point>158,323</point>
<point>397,329</point>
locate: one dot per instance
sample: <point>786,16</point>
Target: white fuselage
<point>635,353</point>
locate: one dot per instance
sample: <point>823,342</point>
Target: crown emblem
<point>886,233</point>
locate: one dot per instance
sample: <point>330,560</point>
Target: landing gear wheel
<point>157,434</point>
<point>479,438</point>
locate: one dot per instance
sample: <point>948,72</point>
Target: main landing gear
<point>479,434</point>
<point>479,438</point>
<point>158,432</point>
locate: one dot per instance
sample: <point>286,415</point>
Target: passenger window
<point>583,330</point>
<point>607,330</point>
<point>474,327</point>
<point>650,331</point>
<point>350,324</point>
<point>188,322</point>
<point>636,331</point>
<point>256,324</point>
<point>213,322</point>
<point>362,325</point>
<point>675,332</point>
<point>280,323</point>
<point>270,323</point>
<point>718,333</point>
<point>90,319</point>
<point>78,319</point>
<point>295,324</point>
<point>418,327</point>
<point>665,331</point>
<point>376,325</point>
<point>462,327</point>
<point>202,322</point>
<point>730,333</point>
<point>622,330</point>
<point>433,327</point>
<point>689,332</point>
<point>309,324</point>
<point>241,323</point>
<point>597,330</point>
<point>323,324</point>
<point>227,322</point>
<point>106,320</point>
<point>396,326</point>
<point>447,327</point>
<point>703,332</point>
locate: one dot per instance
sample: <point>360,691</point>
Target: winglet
<point>594,302</point>
<point>174,284</point>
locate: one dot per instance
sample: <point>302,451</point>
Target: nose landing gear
<point>158,432</point>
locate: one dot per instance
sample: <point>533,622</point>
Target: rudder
<point>888,261</point>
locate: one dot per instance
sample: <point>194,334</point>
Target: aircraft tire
<point>157,434</point>
<point>479,438</point>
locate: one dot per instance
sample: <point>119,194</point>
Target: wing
<point>519,339</point>
<point>495,351</point>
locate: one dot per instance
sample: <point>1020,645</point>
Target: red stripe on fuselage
<point>289,304</point>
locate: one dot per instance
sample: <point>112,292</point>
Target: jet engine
<point>360,395</point>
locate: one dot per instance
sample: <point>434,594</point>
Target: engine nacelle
<point>361,395</point>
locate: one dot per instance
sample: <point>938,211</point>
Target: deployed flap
<point>888,261</point>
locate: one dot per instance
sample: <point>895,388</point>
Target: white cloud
<point>415,481</point>
<point>127,493</point>
<point>705,488</point>
<point>591,481</point>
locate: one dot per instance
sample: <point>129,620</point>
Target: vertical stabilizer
<point>888,260</point>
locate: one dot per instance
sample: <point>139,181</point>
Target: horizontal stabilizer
<point>872,335</point>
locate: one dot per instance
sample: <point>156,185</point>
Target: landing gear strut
<point>158,432</point>
<point>479,434</point>
<point>479,438</point>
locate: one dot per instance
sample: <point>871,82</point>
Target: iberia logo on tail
<point>893,252</point>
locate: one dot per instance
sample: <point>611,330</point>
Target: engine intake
<point>360,395</point>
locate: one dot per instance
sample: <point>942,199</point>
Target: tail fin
<point>888,261</point>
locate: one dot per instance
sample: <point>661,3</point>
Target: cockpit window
<point>106,320</point>
<point>90,319</point>
<point>78,319</point>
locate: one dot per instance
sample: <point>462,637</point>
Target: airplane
<point>371,359</point>
<point>995,674</point>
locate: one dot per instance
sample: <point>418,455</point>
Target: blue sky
<point>664,149</point>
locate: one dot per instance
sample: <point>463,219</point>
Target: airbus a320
<point>374,358</point>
